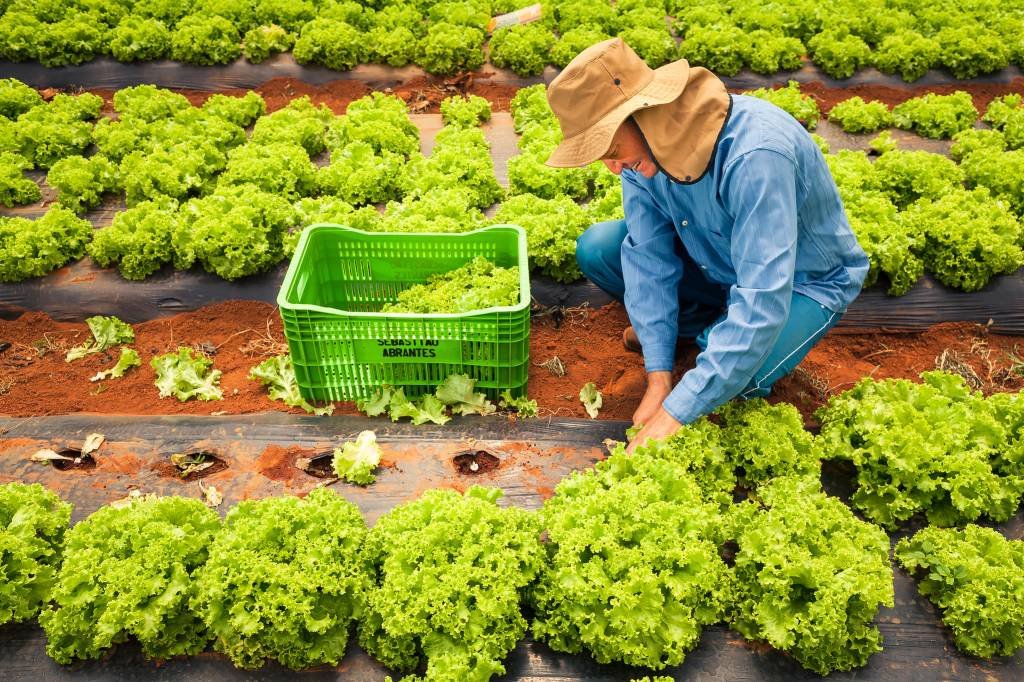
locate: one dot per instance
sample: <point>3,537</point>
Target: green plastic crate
<point>343,348</point>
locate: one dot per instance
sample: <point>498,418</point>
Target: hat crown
<point>599,79</point>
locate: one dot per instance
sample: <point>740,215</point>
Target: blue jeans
<point>702,304</point>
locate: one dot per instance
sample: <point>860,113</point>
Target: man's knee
<point>795,342</point>
<point>598,248</point>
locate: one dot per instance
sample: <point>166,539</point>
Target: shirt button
<point>685,223</point>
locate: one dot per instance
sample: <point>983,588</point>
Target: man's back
<point>830,266</point>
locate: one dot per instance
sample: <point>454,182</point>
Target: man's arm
<point>651,270</point>
<point>759,190</point>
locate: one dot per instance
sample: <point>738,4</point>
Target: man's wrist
<point>659,379</point>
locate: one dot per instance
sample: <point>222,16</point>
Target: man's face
<point>629,151</point>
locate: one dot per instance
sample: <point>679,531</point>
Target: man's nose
<point>613,165</point>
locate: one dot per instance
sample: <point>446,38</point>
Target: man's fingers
<point>639,439</point>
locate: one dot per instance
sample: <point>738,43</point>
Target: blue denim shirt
<point>764,221</point>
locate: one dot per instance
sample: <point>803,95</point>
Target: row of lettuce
<point>202,190</point>
<point>957,218</point>
<point>905,37</point>
<point>628,561</point>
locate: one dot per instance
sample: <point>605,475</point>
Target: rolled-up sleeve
<point>651,270</point>
<point>759,190</point>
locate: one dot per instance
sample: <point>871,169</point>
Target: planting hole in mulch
<point>75,460</point>
<point>839,478</point>
<point>740,492</point>
<point>192,466</point>
<point>475,462</point>
<point>318,466</point>
<point>728,552</point>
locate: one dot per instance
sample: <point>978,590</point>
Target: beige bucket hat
<point>680,109</point>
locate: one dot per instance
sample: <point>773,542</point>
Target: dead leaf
<point>92,443</point>
<point>46,455</point>
<point>126,501</point>
<point>211,495</point>
<point>189,464</point>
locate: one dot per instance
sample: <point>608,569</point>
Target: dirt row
<point>424,94</point>
<point>567,350</point>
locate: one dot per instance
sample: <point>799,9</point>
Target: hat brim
<point>593,143</point>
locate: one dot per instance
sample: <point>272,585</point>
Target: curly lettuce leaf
<point>280,168</point>
<point>450,571</point>
<point>461,158</point>
<point>377,404</point>
<point>457,392</point>
<point>138,240</point>
<point>33,248</point>
<point>768,441</point>
<point>81,182</point>
<point>285,581</point>
<point>935,447</point>
<point>522,406</point>
<point>106,332</point>
<point>262,41</point>
<point>614,584</point>
<point>185,375</point>
<point>809,576</point>
<point>523,48</point>
<point>16,98</point>
<point>552,227</point>
<point>699,449</point>
<point>235,232</point>
<point>128,573</point>
<point>976,577</point>
<point>355,461</point>
<point>936,116</point>
<point>591,399</point>
<point>448,48</point>
<point>379,120</point>
<point>129,358</point>
<point>798,105</point>
<point>465,111</point>
<point>425,409</point>
<point>33,522</point>
<point>477,285</point>
<point>278,375</point>
<point>335,44</point>
<point>857,116</point>
<point>15,188</point>
<point>970,237</point>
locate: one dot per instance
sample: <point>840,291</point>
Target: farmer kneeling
<point>734,230</point>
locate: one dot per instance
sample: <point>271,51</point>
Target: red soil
<point>35,380</point>
<point>278,463</point>
<point>423,93</point>
<point>982,93</point>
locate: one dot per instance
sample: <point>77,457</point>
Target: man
<point>734,230</point>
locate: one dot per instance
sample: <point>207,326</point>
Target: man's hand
<point>662,425</point>
<point>656,422</point>
<point>659,385</point>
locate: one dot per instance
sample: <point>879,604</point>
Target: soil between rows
<point>35,380</point>
<point>424,94</point>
